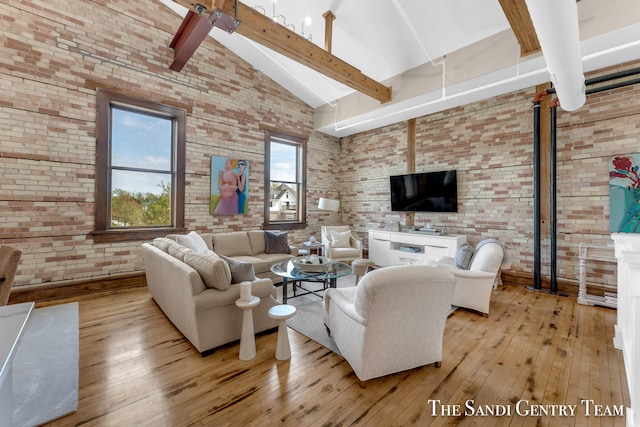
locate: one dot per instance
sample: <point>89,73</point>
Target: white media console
<point>396,248</point>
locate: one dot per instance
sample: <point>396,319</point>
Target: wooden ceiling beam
<point>518,16</point>
<point>263,30</point>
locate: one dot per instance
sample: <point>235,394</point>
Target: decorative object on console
<point>624,194</point>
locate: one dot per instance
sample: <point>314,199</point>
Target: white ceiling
<point>401,43</point>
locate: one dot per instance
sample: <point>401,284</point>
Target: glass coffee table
<point>290,274</point>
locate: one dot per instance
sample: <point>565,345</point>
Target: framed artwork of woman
<point>229,185</point>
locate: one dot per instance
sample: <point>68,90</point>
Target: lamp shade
<point>329,204</point>
<point>556,24</point>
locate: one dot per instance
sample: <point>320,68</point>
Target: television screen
<point>425,192</point>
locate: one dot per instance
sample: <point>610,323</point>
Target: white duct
<point>556,24</point>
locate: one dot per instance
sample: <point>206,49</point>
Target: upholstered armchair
<point>393,320</point>
<point>477,273</point>
<point>340,244</point>
<point>9,260</point>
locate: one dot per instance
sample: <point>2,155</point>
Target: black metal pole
<point>536,195</point>
<point>553,187</point>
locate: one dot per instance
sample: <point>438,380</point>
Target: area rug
<point>308,318</point>
<point>45,367</point>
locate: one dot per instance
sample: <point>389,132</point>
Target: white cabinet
<point>395,248</point>
<point>627,330</point>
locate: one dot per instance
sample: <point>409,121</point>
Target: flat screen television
<point>425,192</point>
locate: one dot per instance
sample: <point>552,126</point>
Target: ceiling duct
<point>556,24</point>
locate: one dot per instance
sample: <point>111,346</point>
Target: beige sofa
<point>249,246</point>
<point>202,304</point>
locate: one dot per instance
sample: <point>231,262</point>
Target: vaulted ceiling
<point>431,54</point>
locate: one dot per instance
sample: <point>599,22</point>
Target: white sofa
<point>202,304</point>
<point>393,320</point>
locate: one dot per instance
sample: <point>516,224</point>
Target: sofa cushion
<point>276,242</point>
<point>341,239</point>
<point>463,257</point>
<point>240,271</point>
<point>163,243</point>
<point>193,241</point>
<point>257,241</point>
<point>214,270</point>
<point>178,251</point>
<point>231,244</point>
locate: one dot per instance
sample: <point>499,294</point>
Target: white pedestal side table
<point>247,338</point>
<point>281,313</point>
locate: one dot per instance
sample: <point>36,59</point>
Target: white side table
<point>247,338</point>
<point>316,246</point>
<point>281,313</point>
<point>590,252</point>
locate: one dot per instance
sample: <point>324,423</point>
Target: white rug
<point>308,319</point>
<point>45,367</point>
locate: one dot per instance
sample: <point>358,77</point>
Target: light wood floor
<point>136,369</point>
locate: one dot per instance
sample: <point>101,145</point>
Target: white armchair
<point>340,244</point>
<point>474,285</point>
<point>393,320</point>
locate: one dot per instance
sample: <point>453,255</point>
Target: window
<point>139,168</point>
<point>285,185</point>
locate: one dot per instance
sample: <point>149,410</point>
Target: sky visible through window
<point>283,162</point>
<point>140,141</point>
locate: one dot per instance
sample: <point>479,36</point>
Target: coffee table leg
<point>332,283</point>
<point>284,290</point>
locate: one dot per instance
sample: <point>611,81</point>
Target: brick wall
<point>55,53</point>
<point>53,56</point>
<point>490,144</point>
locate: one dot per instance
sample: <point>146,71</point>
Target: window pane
<point>140,199</point>
<point>140,140</point>
<point>283,202</point>
<point>283,162</point>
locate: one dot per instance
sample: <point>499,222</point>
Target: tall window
<point>139,168</point>
<point>285,186</point>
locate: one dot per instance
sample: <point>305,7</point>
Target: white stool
<point>281,313</point>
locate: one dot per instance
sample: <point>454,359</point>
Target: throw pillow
<point>463,257</point>
<point>194,242</point>
<point>341,239</point>
<point>240,271</point>
<point>277,242</point>
<point>213,270</point>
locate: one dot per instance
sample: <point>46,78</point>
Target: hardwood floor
<point>534,349</point>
